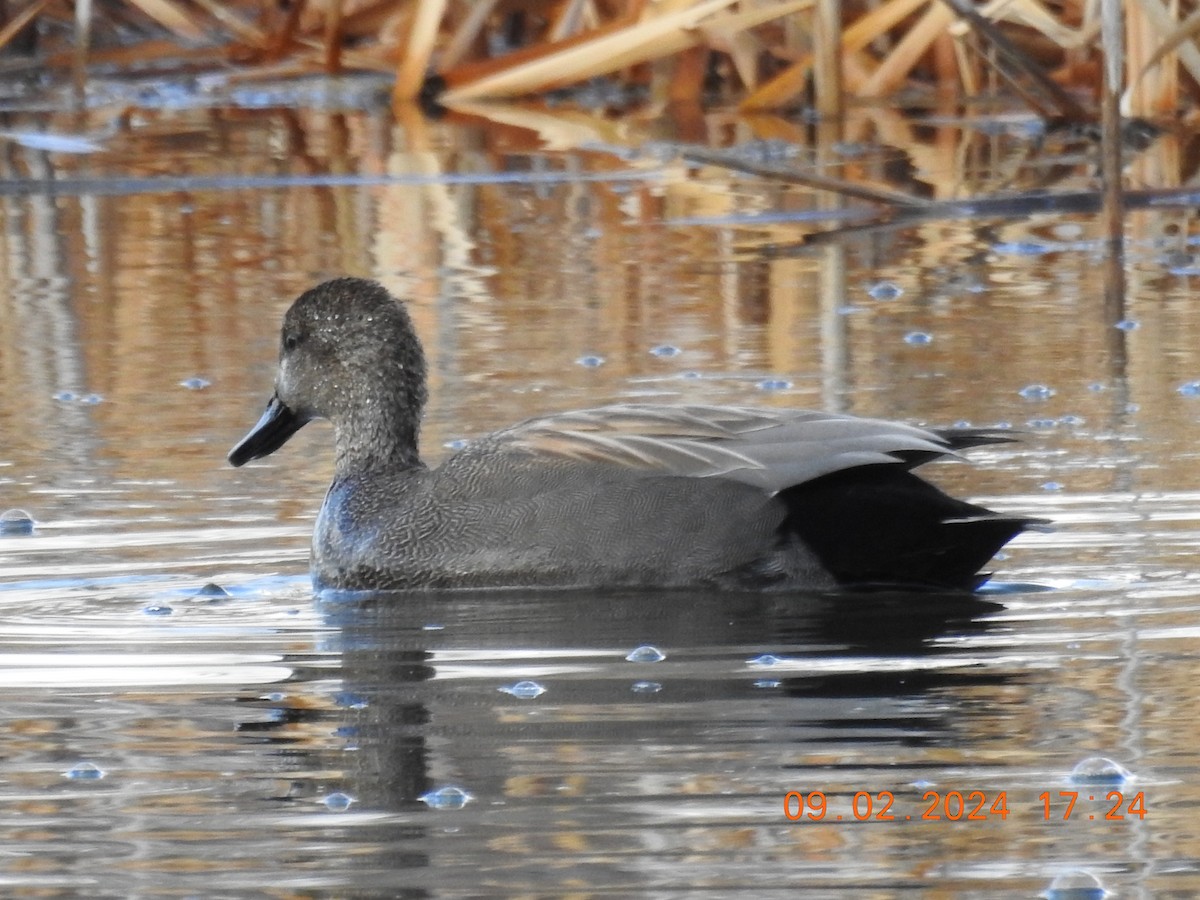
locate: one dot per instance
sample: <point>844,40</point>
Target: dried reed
<point>765,54</point>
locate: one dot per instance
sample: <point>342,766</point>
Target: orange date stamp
<point>964,806</point>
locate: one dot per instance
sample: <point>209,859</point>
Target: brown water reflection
<point>229,728</point>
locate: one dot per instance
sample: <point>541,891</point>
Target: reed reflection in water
<point>158,740</point>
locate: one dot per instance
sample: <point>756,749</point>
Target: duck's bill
<point>278,423</point>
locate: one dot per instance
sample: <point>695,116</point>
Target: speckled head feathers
<point>348,353</point>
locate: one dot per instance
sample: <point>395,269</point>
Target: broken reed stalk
<point>414,63</point>
<point>17,24</point>
<point>582,39</point>
<point>827,60</point>
<point>1067,105</point>
<point>333,36</point>
<point>83,39</point>
<point>882,196</point>
<point>1111,130</point>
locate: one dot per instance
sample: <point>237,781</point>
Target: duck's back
<point>661,497</point>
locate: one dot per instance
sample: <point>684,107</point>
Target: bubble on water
<point>646,653</point>
<point>212,591</point>
<point>774,384</point>
<point>1023,248</point>
<point>646,687</point>
<point>690,375</point>
<point>1052,486</point>
<point>1041,423</point>
<point>1097,387</point>
<point>449,797</point>
<point>1036,392</point>
<point>457,444</point>
<point>523,690</point>
<point>337,801</point>
<point>1100,770</point>
<point>768,683</point>
<point>1128,325</point>
<point>851,149</point>
<point>350,700</point>
<point>84,771</point>
<point>1189,389</point>
<point>918,338</point>
<point>665,351</point>
<point>157,609</point>
<point>16,522</point>
<point>91,399</point>
<point>433,626</point>
<point>590,361</point>
<point>847,310</point>
<point>765,661</point>
<point>884,290</point>
<point>1071,421</point>
<point>1132,407</point>
<point>1077,885</point>
<point>195,383</point>
<point>1180,262</point>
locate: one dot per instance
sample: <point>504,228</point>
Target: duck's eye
<point>291,341</point>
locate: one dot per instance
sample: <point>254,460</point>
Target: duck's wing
<point>770,449</point>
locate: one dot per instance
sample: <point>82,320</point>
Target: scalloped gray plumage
<point>631,495</point>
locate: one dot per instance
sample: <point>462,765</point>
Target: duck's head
<point>347,353</point>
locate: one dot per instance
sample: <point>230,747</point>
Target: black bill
<point>278,423</point>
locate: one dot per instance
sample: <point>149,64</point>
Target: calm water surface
<point>162,740</point>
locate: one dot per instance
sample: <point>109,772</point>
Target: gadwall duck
<point>633,495</point>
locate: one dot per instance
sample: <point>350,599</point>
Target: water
<point>163,738</point>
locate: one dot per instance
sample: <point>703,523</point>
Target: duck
<point>627,496</point>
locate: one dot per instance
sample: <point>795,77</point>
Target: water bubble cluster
<point>16,522</point>
<point>765,661</point>
<point>1100,770</point>
<point>448,797</point>
<point>351,700</point>
<point>72,397</point>
<point>1023,248</point>
<point>646,653</point>
<point>84,771</point>
<point>523,690</point>
<point>1076,885</point>
<point>337,801</point>
<point>1036,392</point>
<point>884,290</point>
<point>646,687</point>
